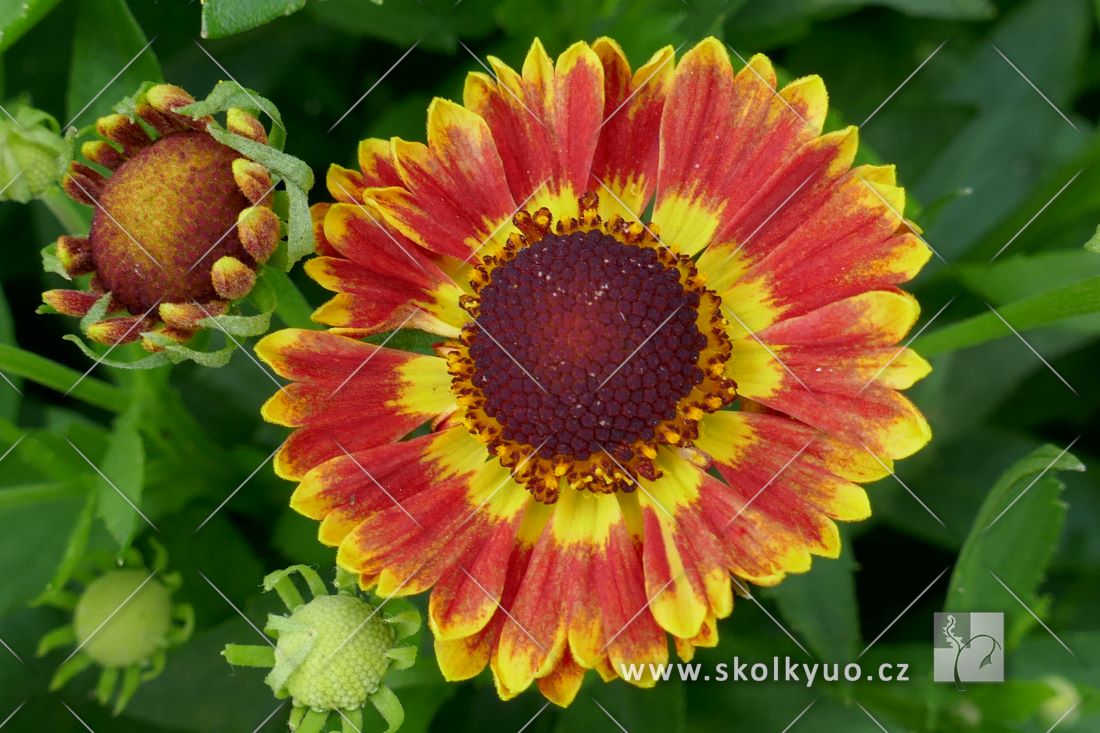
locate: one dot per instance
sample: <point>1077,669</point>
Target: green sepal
<point>313,722</point>
<point>249,655</point>
<point>51,263</point>
<point>405,623</point>
<point>59,598</point>
<point>292,170</point>
<point>403,657</point>
<point>176,353</point>
<point>239,325</point>
<point>149,362</point>
<point>296,714</point>
<point>281,582</point>
<point>159,561</point>
<point>70,668</point>
<point>351,721</point>
<point>184,613</point>
<point>156,665</point>
<point>59,637</point>
<point>297,179</point>
<point>228,94</point>
<point>131,680</point>
<point>128,105</point>
<point>346,581</point>
<point>299,236</point>
<point>96,313</point>
<point>105,686</point>
<point>389,707</point>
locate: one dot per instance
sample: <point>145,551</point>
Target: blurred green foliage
<point>1002,166</point>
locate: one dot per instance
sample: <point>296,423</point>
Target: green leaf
<point>32,545</point>
<point>1025,275</point>
<point>16,18</point>
<point>821,607</point>
<point>121,479</point>
<point>1093,244</point>
<point>1008,127</point>
<point>1078,299</point>
<point>217,698</point>
<point>10,396</point>
<point>222,18</point>
<point>434,24</point>
<point>75,549</point>
<point>1012,540</point>
<point>108,61</point>
<point>661,708</point>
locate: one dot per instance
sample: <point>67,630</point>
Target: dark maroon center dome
<point>585,344</point>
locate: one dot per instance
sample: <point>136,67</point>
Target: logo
<point>968,647</point>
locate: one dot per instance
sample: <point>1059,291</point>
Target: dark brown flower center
<point>165,216</point>
<point>585,344</point>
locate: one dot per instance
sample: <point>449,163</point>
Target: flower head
<point>182,218</point>
<point>627,416</point>
<point>333,653</point>
<point>124,622</point>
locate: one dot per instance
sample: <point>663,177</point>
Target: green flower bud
<point>332,653</point>
<point>31,153</point>
<point>116,632</point>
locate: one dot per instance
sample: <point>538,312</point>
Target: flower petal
<point>383,394</point>
<point>784,484</point>
<point>833,369</point>
<point>626,156</point>
<point>455,196</point>
<point>546,122</point>
<point>722,137</point>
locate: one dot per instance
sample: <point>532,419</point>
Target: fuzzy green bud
<point>123,617</point>
<point>31,153</point>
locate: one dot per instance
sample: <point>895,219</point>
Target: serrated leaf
<point>222,18</point>
<point>1012,540</point>
<point>120,485</point>
<point>108,59</point>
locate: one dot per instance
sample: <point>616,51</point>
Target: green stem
<point>34,493</point>
<point>73,217</point>
<point>38,369</point>
<point>290,305</point>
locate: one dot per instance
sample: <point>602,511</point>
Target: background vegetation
<point>982,146</point>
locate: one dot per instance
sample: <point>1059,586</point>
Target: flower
<point>621,416</point>
<point>333,653</point>
<point>182,218</point>
<point>124,621</point>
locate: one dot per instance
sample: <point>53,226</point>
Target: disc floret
<point>182,219</point>
<point>592,344</point>
<point>124,622</point>
<point>332,653</point>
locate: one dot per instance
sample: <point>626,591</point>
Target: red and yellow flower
<point>620,416</point>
